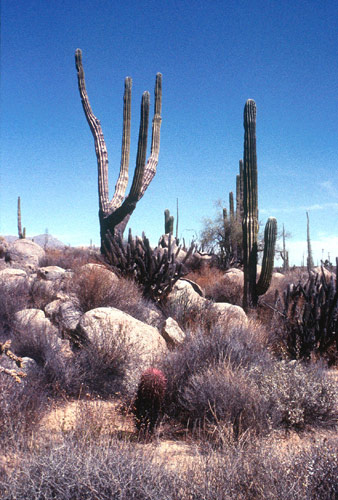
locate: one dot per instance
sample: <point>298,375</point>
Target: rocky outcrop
<point>144,340</point>
<point>172,333</point>
<point>25,252</point>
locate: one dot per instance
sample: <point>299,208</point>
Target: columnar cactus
<point>310,264</point>
<point>149,399</point>
<point>114,214</point>
<point>239,193</point>
<point>168,222</point>
<point>250,224</point>
<point>22,234</point>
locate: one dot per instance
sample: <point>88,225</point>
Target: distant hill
<point>40,239</point>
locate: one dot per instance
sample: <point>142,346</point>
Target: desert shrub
<point>87,471</point>
<point>231,377</point>
<point>223,393</point>
<point>13,298</point>
<point>106,365</point>
<point>96,288</point>
<point>267,469</point>
<point>21,407</point>
<point>190,315</point>
<point>201,350</point>
<point>68,257</point>
<point>298,396</point>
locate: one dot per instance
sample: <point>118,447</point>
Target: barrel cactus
<point>150,394</point>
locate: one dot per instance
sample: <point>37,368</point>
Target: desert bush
<point>68,257</point>
<point>21,407</point>
<point>231,377</point>
<point>267,469</point>
<point>91,471</point>
<point>298,396</point>
<point>13,298</point>
<point>202,350</point>
<point>106,365</point>
<point>223,393</point>
<point>192,316</point>
<point>95,288</point>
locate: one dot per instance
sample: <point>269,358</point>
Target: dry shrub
<point>96,288</point>
<point>262,469</point>
<point>21,407</point>
<point>232,378</point>
<point>68,257</point>
<point>82,470</point>
<point>13,298</point>
<point>192,316</point>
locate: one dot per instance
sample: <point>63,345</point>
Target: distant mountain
<point>40,239</point>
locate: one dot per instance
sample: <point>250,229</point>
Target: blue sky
<point>213,55</point>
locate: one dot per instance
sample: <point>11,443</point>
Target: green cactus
<point>168,222</point>
<point>21,233</point>
<point>250,225</point>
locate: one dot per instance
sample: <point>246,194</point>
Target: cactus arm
<point>168,222</point>
<point>136,187</point>
<point>310,263</point>
<point>270,236</point>
<point>150,169</point>
<point>122,181</point>
<point>100,145</point>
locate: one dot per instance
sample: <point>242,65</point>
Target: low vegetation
<point>251,417</point>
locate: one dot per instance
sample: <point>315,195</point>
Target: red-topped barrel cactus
<point>149,397</point>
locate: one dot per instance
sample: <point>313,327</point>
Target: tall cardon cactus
<point>250,224</point>
<point>114,214</point>
<point>168,222</point>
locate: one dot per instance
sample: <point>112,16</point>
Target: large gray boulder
<point>33,320</point>
<point>172,333</point>
<point>25,252</point>
<point>144,340</point>
<point>51,273</point>
<point>105,274</point>
<point>10,275</point>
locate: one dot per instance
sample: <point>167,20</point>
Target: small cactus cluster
<point>310,316</point>
<point>157,270</point>
<point>17,375</point>
<point>148,401</point>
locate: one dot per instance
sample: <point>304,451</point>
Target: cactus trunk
<point>250,218</point>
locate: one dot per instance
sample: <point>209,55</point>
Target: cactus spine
<point>114,214</point>
<point>250,224</point>
<point>21,233</point>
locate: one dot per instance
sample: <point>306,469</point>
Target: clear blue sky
<point>213,55</point>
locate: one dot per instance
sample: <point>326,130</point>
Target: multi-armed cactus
<point>250,225</point>
<point>21,233</point>
<point>114,214</point>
